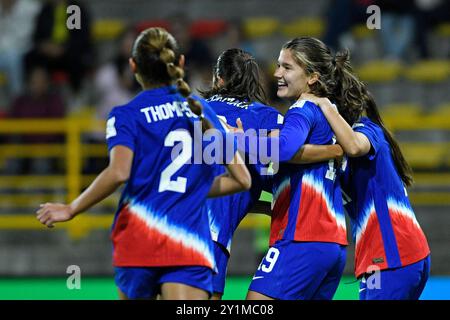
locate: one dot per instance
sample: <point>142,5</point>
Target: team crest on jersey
<point>280,119</point>
<point>298,104</point>
<point>110,128</point>
<point>357,125</point>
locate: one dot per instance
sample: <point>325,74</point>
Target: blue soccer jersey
<point>307,200</point>
<point>384,226</point>
<point>161,220</point>
<point>226,212</point>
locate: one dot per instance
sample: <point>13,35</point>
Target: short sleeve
<point>305,110</point>
<point>294,133</point>
<point>270,119</point>
<point>370,130</point>
<point>120,129</point>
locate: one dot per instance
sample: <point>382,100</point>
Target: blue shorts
<point>300,270</point>
<point>222,256</point>
<point>405,283</point>
<point>145,282</point>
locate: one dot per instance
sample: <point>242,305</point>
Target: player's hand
<point>238,129</point>
<point>50,213</point>
<point>274,133</point>
<point>339,157</point>
<point>321,102</point>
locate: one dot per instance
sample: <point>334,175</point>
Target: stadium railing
<point>73,152</point>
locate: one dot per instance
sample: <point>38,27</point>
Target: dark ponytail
<point>403,168</point>
<point>349,93</point>
<point>353,98</point>
<point>241,75</point>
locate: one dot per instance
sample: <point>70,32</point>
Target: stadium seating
<point>379,71</point>
<point>431,71</point>
<point>428,81</point>
<point>2,79</point>
<point>107,29</point>
<point>382,79</point>
<point>305,26</point>
<point>152,23</point>
<point>360,32</point>
<point>443,30</point>
<point>207,28</point>
<point>260,27</point>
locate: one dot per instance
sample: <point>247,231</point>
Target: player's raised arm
<point>355,144</point>
<point>105,184</point>
<point>236,180</point>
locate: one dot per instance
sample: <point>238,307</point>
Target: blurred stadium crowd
<point>48,72</point>
<point>89,67</point>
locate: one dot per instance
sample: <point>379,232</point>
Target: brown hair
<point>240,73</point>
<point>338,82</point>
<point>156,54</point>
<point>314,56</point>
<point>353,99</point>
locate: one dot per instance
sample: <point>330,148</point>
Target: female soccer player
<point>387,234</point>
<point>237,93</point>
<point>307,251</point>
<point>161,236</point>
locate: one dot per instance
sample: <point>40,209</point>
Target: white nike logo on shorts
<point>259,277</point>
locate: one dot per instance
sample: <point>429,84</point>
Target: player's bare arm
<point>355,144</point>
<point>104,185</point>
<point>311,153</point>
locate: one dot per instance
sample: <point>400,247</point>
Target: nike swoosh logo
<point>361,290</point>
<point>255,278</point>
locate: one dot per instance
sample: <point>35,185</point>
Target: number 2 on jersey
<point>165,182</point>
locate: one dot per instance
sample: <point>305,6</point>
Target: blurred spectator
<point>39,101</point>
<point>16,25</point>
<point>342,15</point>
<point>235,37</point>
<point>114,82</point>
<point>397,28</point>
<point>56,47</point>
<point>199,58</point>
<point>429,13</point>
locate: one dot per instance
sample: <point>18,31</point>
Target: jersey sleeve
<point>270,119</point>
<point>120,129</point>
<point>297,125</point>
<point>369,129</point>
